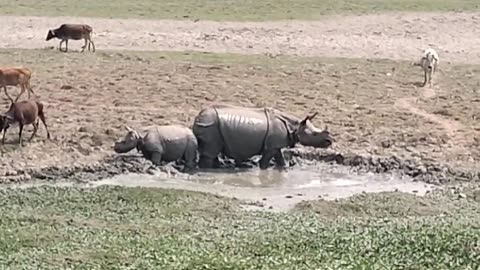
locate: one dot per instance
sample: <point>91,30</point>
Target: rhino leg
<point>280,160</point>
<point>265,160</point>
<point>276,154</point>
<point>243,164</point>
<point>190,155</point>
<point>208,162</point>
<point>152,153</point>
<point>210,144</point>
<point>156,158</point>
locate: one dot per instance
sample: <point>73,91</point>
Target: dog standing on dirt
<point>23,113</point>
<point>429,63</point>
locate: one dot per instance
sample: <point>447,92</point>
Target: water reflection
<point>240,177</point>
<point>297,177</point>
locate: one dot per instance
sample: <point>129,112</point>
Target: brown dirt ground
<point>372,106</point>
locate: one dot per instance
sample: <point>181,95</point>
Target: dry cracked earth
<point>354,70</point>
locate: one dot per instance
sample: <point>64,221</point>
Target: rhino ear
<point>308,117</point>
<point>291,127</point>
<point>129,129</point>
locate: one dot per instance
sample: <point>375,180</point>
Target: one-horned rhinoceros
<point>241,133</point>
<point>162,143</point>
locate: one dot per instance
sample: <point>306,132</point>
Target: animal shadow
<point>418,84</point>
<point>415,83</point>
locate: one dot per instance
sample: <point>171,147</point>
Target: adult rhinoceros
<point>161,143</point>
<point>240,133</point>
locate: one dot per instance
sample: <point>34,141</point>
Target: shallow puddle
<point>268,190</point>
<point>276,190</point>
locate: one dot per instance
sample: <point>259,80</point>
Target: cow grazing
<point>72,31</point>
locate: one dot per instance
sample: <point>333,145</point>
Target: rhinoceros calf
<point>240,133</point>
<point>161,143</point>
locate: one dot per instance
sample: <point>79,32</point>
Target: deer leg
<point>20,132</point>
<point>29,87</point>
<point>4,128</point>
<point>22,87</point>
<point>42,118</point>
<point>35,128</point>
<point>6,93</point>
<point>430,78</point>
<point>424,78</point>
<point>66,45</point>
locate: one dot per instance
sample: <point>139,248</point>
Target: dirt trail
<point>451,127</point>
<point>394,35</point>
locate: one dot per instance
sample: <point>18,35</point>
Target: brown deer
<point>23,113</point>
<point>16,76</point>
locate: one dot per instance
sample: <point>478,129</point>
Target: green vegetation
<point>226,9</point>
<point>140,228</point>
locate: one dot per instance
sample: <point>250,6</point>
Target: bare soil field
<point>89,97</point>
<point>373,106</point>
<point>398,36</point>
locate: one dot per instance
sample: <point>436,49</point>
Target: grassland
<point>139,228</point>
<point>230,10</point>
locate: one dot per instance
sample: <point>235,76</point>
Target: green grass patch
<point>140,228</point>
<point>395,204</point>
<point>226,9</point>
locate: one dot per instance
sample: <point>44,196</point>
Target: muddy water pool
<point>276,190</point>
<point>266,190</point>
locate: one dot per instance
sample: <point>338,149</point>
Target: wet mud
<point>430,173</point>
<point>312,175</point>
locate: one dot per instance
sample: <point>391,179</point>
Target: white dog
<point>429,63</point>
